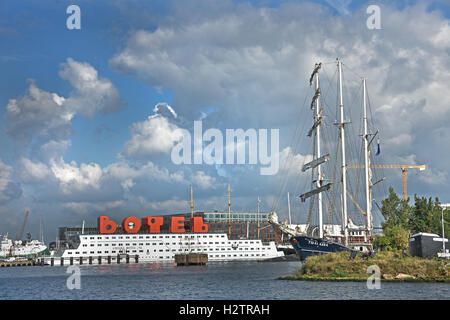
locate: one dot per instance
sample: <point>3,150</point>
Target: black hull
<point>308,246</point>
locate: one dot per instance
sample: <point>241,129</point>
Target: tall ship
<point>329,187</point>
<point>152,240</point>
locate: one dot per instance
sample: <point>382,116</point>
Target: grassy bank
<point>393,267</point>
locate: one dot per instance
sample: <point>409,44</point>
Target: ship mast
<point>229,212</point>
<point>366,163</point>
<point>192,203</point>
<point>257,227</point>
<point>344,168</point>
<point>317,158</point>
<point>319,168</point>
<point>289,208</point>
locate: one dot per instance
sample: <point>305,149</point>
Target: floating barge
<point>190,259</point>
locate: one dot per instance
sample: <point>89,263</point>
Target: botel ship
<point>156,246</point>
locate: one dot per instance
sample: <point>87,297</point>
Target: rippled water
<point>231,280</point>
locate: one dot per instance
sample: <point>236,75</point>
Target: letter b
<point>104,225</point>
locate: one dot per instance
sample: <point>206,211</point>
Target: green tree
<point>426,216</point>
<point>421,215</point>
<point>401,220</point>
<point>395,210</point>
<point>395,228</point>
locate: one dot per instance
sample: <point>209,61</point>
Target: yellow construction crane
<point>404,168</point>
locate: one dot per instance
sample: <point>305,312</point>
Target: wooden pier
<point>191,259</point>
<point>16,263</point>
<point>89,260</point>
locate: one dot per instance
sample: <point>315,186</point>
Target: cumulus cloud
<point>83,208</point>
<point>38,113</point>
<point>44,119</point>
<point>203,180</point>
<point>124,172</point>
<point>31,171</point>
<point>248,64</point>
<point>9,189</point>
<point>92,94</point>
<point>73,177</point>
<point>157,134</point>
<point>164,207</point>
<point>248,60</point>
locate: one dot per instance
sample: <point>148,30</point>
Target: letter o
<point>131,225</point>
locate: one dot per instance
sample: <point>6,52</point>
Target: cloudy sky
<point>89,117</point>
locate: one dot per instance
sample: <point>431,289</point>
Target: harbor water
<point>214,281</point>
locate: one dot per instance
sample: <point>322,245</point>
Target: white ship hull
<point>161,247</point>
<point>21,249</point>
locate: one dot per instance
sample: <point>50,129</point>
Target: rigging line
<point>350,129</point>
<point>324,99</point>
<point>312,199</point>
<point>290,168</point>
<point>381,186</point>
<point>282,177</point>
<point>350,109</point>
<point>380,189</point>
<point>353,71</point>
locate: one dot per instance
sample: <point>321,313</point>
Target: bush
<point>393,238</point>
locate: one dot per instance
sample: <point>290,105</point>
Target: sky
<point>90,116</point>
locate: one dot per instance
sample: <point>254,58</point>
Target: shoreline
<point>392,266</point>
<point>347,279</point>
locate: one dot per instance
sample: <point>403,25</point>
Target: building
<point>240,225</point>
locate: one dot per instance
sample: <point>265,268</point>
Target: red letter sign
<point>131,225</point>
<point>198,226</point>
<point>104,225</point>
<point>152,224</point>
<point>177,225</point>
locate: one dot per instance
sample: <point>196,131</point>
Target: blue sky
<point>236,64</point>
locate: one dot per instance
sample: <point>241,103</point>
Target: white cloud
<point>250,62</point>
<point>125,173</point>
<point>33,171</point>
<point>166,206</point>
<point>9,189</point>
<point>83,208</point>
<point>41,117</point>
<point>154,135</point>
<point>93,94</point>
<point>39,113</point>
<point>72,177</point>
<point>204,181</point>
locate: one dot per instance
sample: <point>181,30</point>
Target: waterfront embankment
<point>393,266</point>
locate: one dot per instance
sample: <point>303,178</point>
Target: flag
<point>378,147</point>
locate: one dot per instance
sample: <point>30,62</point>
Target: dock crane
<point>404,168</point>
<point>19,237</point>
